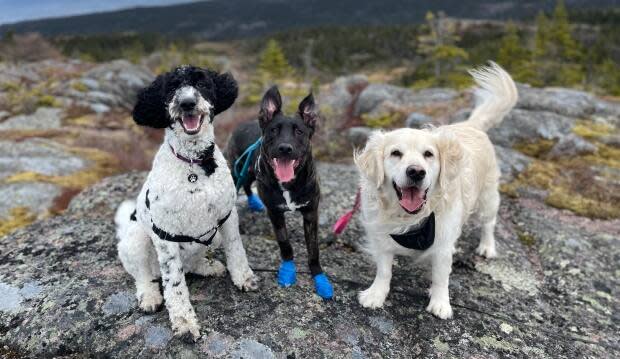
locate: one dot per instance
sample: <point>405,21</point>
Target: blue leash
<point>247,154</point>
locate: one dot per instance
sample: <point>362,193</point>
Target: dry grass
<point>18,217</point>
<point>102,165</point>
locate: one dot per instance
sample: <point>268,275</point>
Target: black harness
<point>179,238</point>
<point>420,238</point>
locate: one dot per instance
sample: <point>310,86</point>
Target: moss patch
<point>562,198</point>
<point>587,185</point>
<point>384,120</point>
<point>18,217</point>
<point>592,130</point>
<point>526,238</point>
<point>535,149</point>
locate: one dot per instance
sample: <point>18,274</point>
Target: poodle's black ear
<point>270,106</point>
<point>150,109</point>
<point>226,91</point>
<point>308,111</point>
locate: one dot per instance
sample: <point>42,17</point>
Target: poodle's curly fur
<point>189,193</point>
<point>449,171</point>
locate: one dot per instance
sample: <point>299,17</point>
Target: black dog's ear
<point>308,111</point>
<point>150,109</point>
<point>226,91</point>
<point>270,106</point>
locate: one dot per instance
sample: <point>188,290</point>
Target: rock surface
<point>65,293</point>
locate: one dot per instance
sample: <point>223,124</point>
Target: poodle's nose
<point>285,149</point>
<point>416,173</point>
<point>188,104</point>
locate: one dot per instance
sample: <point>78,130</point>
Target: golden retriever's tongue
<point>284,169</point>
<point>412,198</point>
<point>191,123</point>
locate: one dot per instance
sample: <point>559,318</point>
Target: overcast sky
<point>18,10</point>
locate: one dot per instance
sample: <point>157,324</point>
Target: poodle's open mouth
<point>284,168</point>
<point>191,123</point>
<point>412,199</point>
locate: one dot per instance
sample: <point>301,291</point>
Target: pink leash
<point>343,221</point>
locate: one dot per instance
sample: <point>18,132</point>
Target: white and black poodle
<point>187,204</point>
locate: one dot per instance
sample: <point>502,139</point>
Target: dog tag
<point>192,178</point>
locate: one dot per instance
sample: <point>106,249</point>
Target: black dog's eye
<point>299,132</point>
<point>396,153</point>
<point>274,130</point>
<point>428,154</point>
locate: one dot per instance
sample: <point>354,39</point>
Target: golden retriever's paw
<point>486,251</point>
<point>372,298</point>
<point>440,308</point>
<point>151,301</point>
<point>186,328</point>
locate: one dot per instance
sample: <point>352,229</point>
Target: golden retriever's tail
<point>496,95</point>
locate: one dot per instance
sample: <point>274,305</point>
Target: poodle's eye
<point>396,153</point>
<point>274,130</point>
<point>428,154</point>
<point>299,132</point>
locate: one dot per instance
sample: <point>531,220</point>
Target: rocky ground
<point>552,293</point>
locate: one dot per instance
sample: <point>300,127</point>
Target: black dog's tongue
<point>284,169</point>
<point>412,198</point>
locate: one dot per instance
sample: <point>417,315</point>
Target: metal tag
<point>192,178</point>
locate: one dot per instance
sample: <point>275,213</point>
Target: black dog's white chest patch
<point>289,204</point>
<point>420,238</point>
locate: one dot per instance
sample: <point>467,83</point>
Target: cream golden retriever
<point>419,187</point>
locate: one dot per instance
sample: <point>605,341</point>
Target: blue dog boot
<point>323,287</point>
<point>286,274</point>
<point>255,204</point>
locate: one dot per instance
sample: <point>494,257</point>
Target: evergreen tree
<point>273,62</point>
<point>513,56</point>
<point>557,56</point>
<point>541,39</point>
<point>438,44</point>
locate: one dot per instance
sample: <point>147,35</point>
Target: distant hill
<point>226,19</point>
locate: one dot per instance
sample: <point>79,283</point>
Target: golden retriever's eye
<point>396,153</point>
<point>428,154</point>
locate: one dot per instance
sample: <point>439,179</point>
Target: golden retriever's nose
<point>415,173</point>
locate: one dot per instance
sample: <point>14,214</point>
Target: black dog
<point>286,178</point>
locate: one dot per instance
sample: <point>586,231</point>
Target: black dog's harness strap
<point>179,238</point>
<point>420,238</point>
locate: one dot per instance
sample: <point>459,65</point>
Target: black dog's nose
<point>188,104</point>
<point>415,173</point>
<point>285,149</point>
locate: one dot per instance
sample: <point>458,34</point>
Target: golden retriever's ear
<point>370,159</point>
<point>450,155</point>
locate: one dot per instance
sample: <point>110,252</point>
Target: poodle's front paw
<point>247,283</point>
<point>150,301</point>
<point>440,308</point>
<point>487,251</point>
<point>372,297</point>
<point>186,328</point>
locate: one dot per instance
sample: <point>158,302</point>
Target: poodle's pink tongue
<point>413,198</point>
<point>191,123</point>
<point>284,169</point>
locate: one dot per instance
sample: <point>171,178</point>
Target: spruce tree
<point>513,56</point>
<point>273,62</point>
